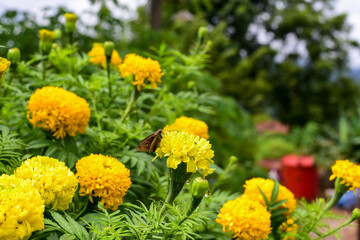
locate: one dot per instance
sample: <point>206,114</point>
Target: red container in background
<point>300,176</point>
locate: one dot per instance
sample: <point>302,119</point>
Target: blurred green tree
<point>288,58</point>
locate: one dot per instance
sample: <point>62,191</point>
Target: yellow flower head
<point>59,111</point>
<point>104,177</point>
<point>145,70</point>
<point>248,220</point>
<point>4,65</point>
<point>46,35</point>
<point>180,147</point>
<point>70,17</point>
<point>189,125</point>
<point>55,182</point>
<point>97,56</point>
<point>21,208</point>
<point>252,192</point>
<point>289,227</point>
<point>348,172</point>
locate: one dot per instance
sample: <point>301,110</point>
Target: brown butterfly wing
<point>150,143</point>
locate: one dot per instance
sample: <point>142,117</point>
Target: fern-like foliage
<point>11,149</point>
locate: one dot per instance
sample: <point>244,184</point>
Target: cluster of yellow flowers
<point>289,227</point>
<point>21,208</point>
<point>38,182</point>
<point>348,172</point>
<point>235,219</point>
<point>55,182</point>
<point>180,147</point>
<point>247,219</point>
<point>97,56</point>
<point>144,70</point>
<point>104,177</point>
<point>59,111</point>
<point>189,125</point>
<point>4,65</point>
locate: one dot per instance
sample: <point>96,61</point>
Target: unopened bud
<point>70,25</point>
<point>191,84</point>
<point>199,187</point>
<point>355,214</point>
<point>202,32</point>
<point>46,40</point>
<point>13,55</point>
<point>109,48</point>
<point>58,33</point>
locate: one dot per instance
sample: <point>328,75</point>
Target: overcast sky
<point>351,7</point>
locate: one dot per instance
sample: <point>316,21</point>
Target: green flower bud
<point>355,214</point>
<point>46,40</point>
<point>58,33</point>
<point>13,55</point>
<point>202,32</point>
<point>191,84</point>
<point>109,48</point>
<point>70,25</point>
<point>233,159</point>
<point>199,187</point>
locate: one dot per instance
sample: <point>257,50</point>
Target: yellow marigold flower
<point>348,172</point>
<point>97,56</point>
<point>70,17</point>
<point>252,192</point>
<point>180,147</point>
<point>4,65</point>
<point>59,111</point>
<point>56,182</point>
<point>247,219</point>
<point>145,70</point>
<point>189,125</point>
<point>46,35</point>
<point>21,208</point>
<point>104,177</point>
<point>289,227</point>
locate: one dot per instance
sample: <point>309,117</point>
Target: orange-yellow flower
<point>266,185</point>
<point>104,177</point>
<point>58,111</point>
<point>144,70</point>
<point>348,172</point>
<point>246,219</point>
<point>97,56</point>
<point>189,125</point>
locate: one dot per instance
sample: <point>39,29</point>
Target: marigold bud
<point>109,48</point>
<point>199,187</point>
<point>70,25</point>
<point>355,214</point>
<point>202,32</point>
<point>46,40</point>
<point>58,33</point>
<point>13,55</point>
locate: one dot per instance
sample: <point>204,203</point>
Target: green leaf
<point>277,204</point>
<point>79,230</point>
<point>265,198</point>
<point>61,221</point>
<point>279,212</point>
<point>39,143</point>
<point>275,192</point>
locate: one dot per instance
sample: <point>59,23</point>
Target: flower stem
<point>10,81</point>
<point>130,105</point>
<point>108,77</point>
<point>43,69</point>
<point>332,231</point>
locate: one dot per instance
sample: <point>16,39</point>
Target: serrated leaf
<point>79,230</point>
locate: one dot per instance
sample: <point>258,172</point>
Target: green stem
<point>332,231</point>
<point>129,105</point>
<point>82,210</point>
<point>108,76</point>
<point>10,81</point>
<point>43,69</point>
